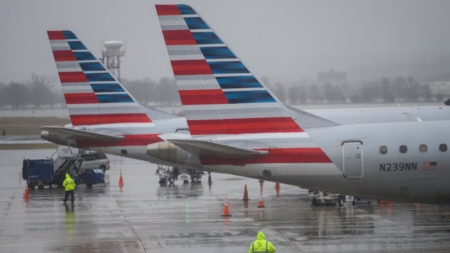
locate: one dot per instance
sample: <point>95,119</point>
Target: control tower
<point>111,54</point>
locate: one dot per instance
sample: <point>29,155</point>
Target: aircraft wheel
<point>314,202</point>
<point>341,200</point>
<point>89,185</point>
<point>171,180</point>
<point>195,179</point>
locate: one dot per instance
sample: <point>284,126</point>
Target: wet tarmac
<point>143,216</point>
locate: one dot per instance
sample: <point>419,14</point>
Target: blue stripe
<point>91,66</point>
<point>99,77</point>
<point>76,45</point>
<point>185,9</point>
<point>69,35</point>
<point>238,82</point>
<point>196,23</point>
<point>107,87</point>
<point>217,53</point>
<point>84,56</point>
<point>116,98</point>
<point>254,96</point>
<point>206,38</point>
<point>227,67</point>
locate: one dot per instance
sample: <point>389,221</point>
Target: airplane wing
<point>81,134</point>
<point>206,148</point>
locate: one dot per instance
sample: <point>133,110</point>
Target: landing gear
<point>341,200</point>
<point>171,180</point>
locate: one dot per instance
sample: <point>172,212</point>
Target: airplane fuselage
<point>357,167</point>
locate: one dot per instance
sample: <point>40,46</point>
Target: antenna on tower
<point>111,53</point>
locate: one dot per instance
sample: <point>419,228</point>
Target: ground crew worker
<point>69,186</point>
<point>261,245</point>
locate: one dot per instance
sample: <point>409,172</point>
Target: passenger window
<point>383,150</point>
<point>443,147</point>
<point>423,148</point>
<point>403,149</point>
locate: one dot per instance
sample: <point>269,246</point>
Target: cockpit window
<point>423,148</point>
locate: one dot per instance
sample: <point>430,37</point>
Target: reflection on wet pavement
<point>143,216</point>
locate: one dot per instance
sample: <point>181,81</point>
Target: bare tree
<point>40,88</point>
<point>293,95</point>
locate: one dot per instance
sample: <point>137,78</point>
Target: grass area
<point>29,125</point>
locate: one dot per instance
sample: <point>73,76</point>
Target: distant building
<point>332,77</point>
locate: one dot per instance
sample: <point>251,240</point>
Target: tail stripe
<point>87,85</point>
<point>208,73</point>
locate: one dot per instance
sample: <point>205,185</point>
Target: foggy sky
<point>285,40</point>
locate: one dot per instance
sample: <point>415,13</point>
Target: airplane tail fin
<point>93,95</point>
<point>218,93</point>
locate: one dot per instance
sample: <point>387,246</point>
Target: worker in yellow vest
<point>261,245</point>
<point>69,186</point>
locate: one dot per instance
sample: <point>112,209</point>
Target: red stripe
<point>179,37</point>
<point>191,67</point>
<point>72,77</point>
<point>96,119</point>
<point>55,35</point>
<point>202,97</point>
<point>129,140</point>
<point>279,155</point>
<point>244,126</point>
<point>81,98</point>
<point>64,55</point>
<point>163,10</point>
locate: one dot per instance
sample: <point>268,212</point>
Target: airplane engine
<point>57,139</point>
<point>167,151</point>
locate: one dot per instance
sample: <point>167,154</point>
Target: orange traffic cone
<point>120,179</point>
<point>245,194</point>
<point>225,209</point>
<point>26,195</point>
<point>261,203</point>
<point>277,185</point>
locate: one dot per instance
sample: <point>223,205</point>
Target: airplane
<point>237,126</point>
<point>105,117</point>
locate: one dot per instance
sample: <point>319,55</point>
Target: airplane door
<point>352,154</point>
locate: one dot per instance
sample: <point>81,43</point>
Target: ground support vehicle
<point>40,172</point>
<point>171,174</point>
<point>320,197</point>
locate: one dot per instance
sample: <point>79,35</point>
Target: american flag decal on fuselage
<point>223,100</point>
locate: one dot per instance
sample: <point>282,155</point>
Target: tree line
<point>40,91</point>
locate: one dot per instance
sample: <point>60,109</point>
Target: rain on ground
<point>143,216</point>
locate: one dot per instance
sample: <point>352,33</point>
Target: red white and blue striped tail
<point>219,94</point>
<point>93,95</point>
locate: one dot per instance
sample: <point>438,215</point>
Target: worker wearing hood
<point>261,245</point>
<point>69,186</point>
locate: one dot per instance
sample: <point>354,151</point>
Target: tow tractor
<point>320,197</point>
<point>170,174</point>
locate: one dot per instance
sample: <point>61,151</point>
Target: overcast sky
<point>286,40</point>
